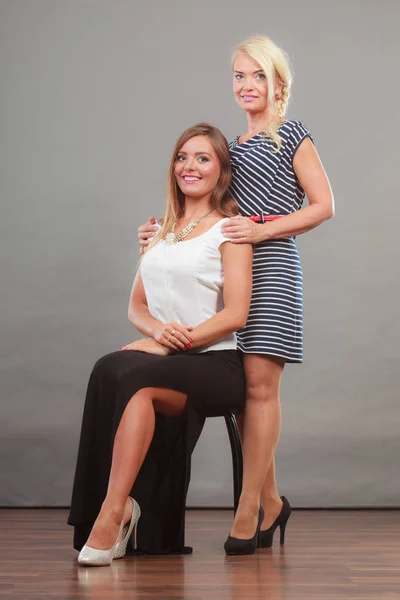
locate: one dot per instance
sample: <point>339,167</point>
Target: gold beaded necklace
<point>173,238</point>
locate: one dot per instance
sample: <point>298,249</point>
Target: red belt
<point>258,219</point>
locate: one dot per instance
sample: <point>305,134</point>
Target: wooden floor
<point>328,554</point>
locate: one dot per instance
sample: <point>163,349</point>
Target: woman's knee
<point>263,377</point>
<point>113,367</point>
<point>163,401</point>
<point>262,392</point>
<point>144,395</point>
<point>104,364</point>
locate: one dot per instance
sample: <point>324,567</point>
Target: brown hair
<point>221,199</point>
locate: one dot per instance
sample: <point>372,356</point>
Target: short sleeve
<point>219,237</point>
<point>298,133</point>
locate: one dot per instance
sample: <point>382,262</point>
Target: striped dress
<point>264,183</point>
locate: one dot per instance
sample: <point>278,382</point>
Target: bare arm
<point>138,311</point>
<point>237,262</point>
<point>313,179</point>
<point>140,317</point>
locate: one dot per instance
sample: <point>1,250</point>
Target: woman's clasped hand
<point>168,338</point>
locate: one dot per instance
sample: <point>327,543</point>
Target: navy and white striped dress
<point>264,183</point>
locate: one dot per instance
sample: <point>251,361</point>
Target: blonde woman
<point>146,404</point>
<point>274,165</point>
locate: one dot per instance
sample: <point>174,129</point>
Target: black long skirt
<point>214,383</point>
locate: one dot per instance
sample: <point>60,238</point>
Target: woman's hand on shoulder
<point>242,230</point>
<point>146,233</point>
<point>149,346</point>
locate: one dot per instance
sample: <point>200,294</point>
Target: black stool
<point>237,457</point>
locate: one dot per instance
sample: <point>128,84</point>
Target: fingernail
<point>192,340</point>
<point>190,345</point>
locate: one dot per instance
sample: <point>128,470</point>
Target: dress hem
<point>289,360</point>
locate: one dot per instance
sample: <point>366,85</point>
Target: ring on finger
<point>173,332</point>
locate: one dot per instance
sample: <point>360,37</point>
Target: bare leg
<point>262,420</point>
<point>270,499</point>
<point>131,443</point>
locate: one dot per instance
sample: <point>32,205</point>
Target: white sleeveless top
<point>183,282</point>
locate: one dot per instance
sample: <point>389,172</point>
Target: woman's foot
<point>106,528</point>
<point>247,516</point>
<point>103,540</point>
<point>110,534</point>
<point>272,509</point>
<point>245,522</point>
<point>238,546</point>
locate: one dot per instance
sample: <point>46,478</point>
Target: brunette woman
<point>146,404</point>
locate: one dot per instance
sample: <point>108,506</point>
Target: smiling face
<point>250,85</point>
<point>197,168</point>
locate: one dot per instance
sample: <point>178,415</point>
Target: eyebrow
<point>254,72</point>
<point>196,153</point>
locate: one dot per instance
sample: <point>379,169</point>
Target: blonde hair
<point>276,67</point>
<point>221,199</point>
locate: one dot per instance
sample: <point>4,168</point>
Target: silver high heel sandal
<point>129,529</point>
<point>93,557</point>
<point>98,558</point>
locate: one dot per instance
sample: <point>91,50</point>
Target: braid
<point>281,104</point>
<point>280,109</point>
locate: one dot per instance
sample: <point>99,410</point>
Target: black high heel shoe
<point>266,537</point>
<point>237,546</point>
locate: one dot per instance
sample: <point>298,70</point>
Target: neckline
<point>257,135</point>
<point>197,236</point>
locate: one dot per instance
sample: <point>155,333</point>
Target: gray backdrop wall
<point>93,95</point>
